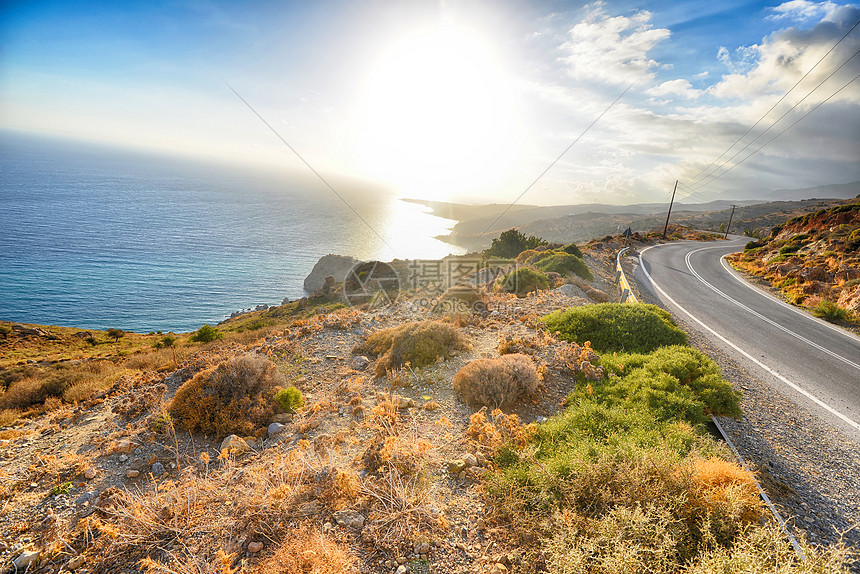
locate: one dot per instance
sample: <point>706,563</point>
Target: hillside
<point>470,431</point>
<point>814,260</point>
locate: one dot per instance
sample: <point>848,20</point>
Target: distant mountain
<point>835,191</point>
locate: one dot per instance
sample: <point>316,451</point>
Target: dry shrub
<point>497,382</point>
<point>234,397</point>
<point>418,343</point>
<point>305,550</point>
<point>461,299</point>
<point>723,487</point>
<point>502,430</point>
<point>400,506</point>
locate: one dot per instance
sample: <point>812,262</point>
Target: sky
<point>541,102</point>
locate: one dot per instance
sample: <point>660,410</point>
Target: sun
<point>436,111</point>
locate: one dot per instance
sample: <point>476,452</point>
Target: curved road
<point>814,363</point>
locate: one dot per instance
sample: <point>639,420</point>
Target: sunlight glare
<point>436,114</point>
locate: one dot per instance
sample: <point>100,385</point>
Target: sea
<point>99,237</point>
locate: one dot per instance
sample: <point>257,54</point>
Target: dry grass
<point>723,487</point>
<point>306,551</point>
<point>417,344</point>
<point>498,382</point>
<point>401,506</point>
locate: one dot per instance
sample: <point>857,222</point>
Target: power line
<point>791,109</point>
<point>785,130</point>
<point>777,103</point>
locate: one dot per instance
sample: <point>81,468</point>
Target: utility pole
<point>666,227</point>
<point>726,236</point>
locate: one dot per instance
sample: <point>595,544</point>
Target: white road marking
<point>762,317</point>
<point>763,293</point>
<point>797,388</point>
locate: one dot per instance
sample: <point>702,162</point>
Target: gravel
<point>808,468</point>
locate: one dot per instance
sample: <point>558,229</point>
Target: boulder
<point>850,299</point>
<point>234,445</point>
<point>845,275</point>
<point>336,266</point>
<point>349,519</point>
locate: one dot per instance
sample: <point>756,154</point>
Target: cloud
<point>801,10</point>
<point>612,49</point>
<point>680,87</point>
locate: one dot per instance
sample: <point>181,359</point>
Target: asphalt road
<point>808,360</point>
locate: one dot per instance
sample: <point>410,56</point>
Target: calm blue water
<point>95,238</point>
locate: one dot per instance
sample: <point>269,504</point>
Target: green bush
<point>573,249</point>
<point>753,245</point>
<point>207,334</point>
<point>511,243</point>
<point>830,311</point>
<point>5,330</point>
<point>115,334</point>
<point>522,281</point>
<point>793,248</point>
<point>617,327</point>
<point>564,263</point>
<point>289,400</point>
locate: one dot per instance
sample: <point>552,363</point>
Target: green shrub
<point>564,263</point>
<point>115,334</point>
<point>511,243</point>
<point>207,334</point>
<point>573,249</point>
<point>522,281</point>
<point>674,383</point>
<point>616,327</point>
<point>5,330</point>
<point>290,400</point>
<point>419,343</point>
<point>753,245</point>
<point>165,342</point>
<point>830,311</point>
<point>793,248</point>
<point>237,396</point>
<point>497,382</point>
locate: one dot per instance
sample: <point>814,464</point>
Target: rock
<point>597,295</point>
<point>234,445</point>
<point>27,559</point>
<point>482,460</point>
<point>336,266</point>
<point>283,418</point>
<point>76,562</point>
<point>422,548</point>
<point>470,459</point>
<point>402,569</point>
<point>845,275</point>
<point>255,547</point>
<point>850,299</point>
<point>90,473</point>
<point>157,469</point>
<point>275,429</point>
<point>403,402</point>
<point>814,274</point>
<point>123,446</point>
<point>86,497</point>
<point>456,466</point>
<point>359,363</point>
<point>123,458</point>
<point>132,473</point>
<point>349,519</point>
<point>570,290</point>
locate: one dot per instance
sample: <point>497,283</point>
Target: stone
<point>27,559</point>
<point>470,459</point>
<point>254,547</point>
<point>275,429</point>
<point>86,497</point>
<point>335,266</point>
<point>349,519</point>
<point>157,469</point>
<point>422,548</point>
<point>90,473</point>
<point>402,569</point>
<point>234,445</point>
<point>482,460</point>
<point>123,458</point>
<point>76,562</point>
<point>359,363</point>
<point>456,466</point>
<point>123,446</point>
<point>132,473</point>
<point>403,402</point>
<point>570,290</point>
<point>850,299</point>
<point>597,295</point>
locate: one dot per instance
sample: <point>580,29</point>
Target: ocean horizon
<point>99,237</point>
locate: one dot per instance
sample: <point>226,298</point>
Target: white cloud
<point>681,88</point>
<point>801,10</point>
<point>612,49</point>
